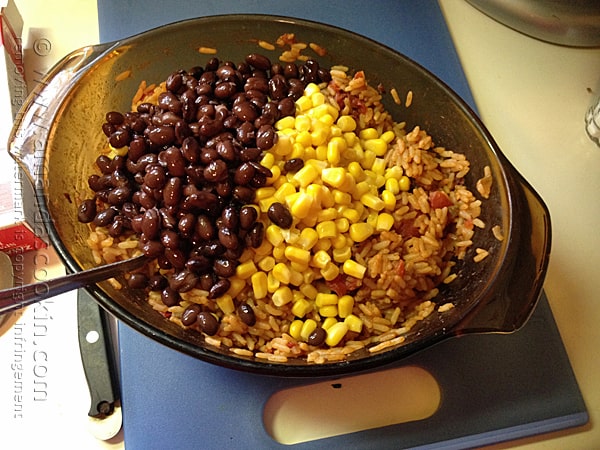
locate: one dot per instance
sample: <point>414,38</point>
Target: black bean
<point>224,268</point>
<point>176,258</point>
<point>199,264</point>
<point>137,281</point>
<point>255,235</point>
<point>119,195</point>
<point>169,296</point>
<point>174,82</point>
<point>278,87</point>
<point>103,163</point>
<point>249,154</point>
<point>115,118</point>
<point>205,228</point>
<point>265,137</point>
<point>317,337</point>
<point>103,218</point>
<point>226,150</point>
<point>161,135</point>
<point>190,314</point>
<point>155,177</point>
<point>186,224</point>
<point>293,165</point>
<point>230,217</point>
<point>86,211</point>
<point>137,148</point>
<point>170,239</point>
<point>290,70</point>
<point>244,174</point>
<point>117,226</point>
<point>207,323</point>
<point>172,192</point>
<point>228,238</point>
<point>216,171</point>
<point>287,107</point>
<point>246,313</point>
<point>219,288</point>
<point>244,194</point>
<point>152,249</point>
<point>247,216</point>
<point>258,61</point>
<point>224,89</point>
<point>157,282</point>
<point>246,133</point>
<point>175,161</point>
<point>245,111</point>
<point>280,215</point>
<point>151,223</point>
<point>183,281</point>
<point>211,249</point>
<point>190,149</point>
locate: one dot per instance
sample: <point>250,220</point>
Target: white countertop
<point>531,95</point>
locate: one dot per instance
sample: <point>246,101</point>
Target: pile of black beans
<point>191,169</point>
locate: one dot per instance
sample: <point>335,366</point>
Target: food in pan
<point>288,214</point>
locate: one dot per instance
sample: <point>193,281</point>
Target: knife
<point>95,346</point>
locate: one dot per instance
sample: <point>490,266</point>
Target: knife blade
<point>96,349</point>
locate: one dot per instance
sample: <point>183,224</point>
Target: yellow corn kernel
<point>342,254</point>
<point>266,248</point>
<point>339,241</point>
<point>328,323</point>
<point>317,98</point>
<point>334,176</point>
<point>385,222</point>
<point>299,267</point>
<point>265,203</point>
<point>328,311</point>
<point>377,146</point>
<point>278,252</point>
<point>245,270</point>
<point>259,284</point>
<point>352,214</point>
<point>341,198</point>
<point>274,235</point>
<point>362,188</point>
<point>268,160</point>
<point>283,146</point>
<point>322,245</point>
<point>351,139</point>
<point>368,133</point>
<point>308,238</point>
<point>372,201</point>
<point>326,197</point>
<point>296,277</point>
<point>354,323</point>
<point>372,219</point>
<point>287,122</point>
<point>225,304</point>
<point>379,166</point>
<point>327,214</point>
<point>308,327</point>
<point>392,186</point>
<point>345,306</point>
<point>389,200</point>
<point>282,296</point>
<point>346,123</point>
<point>330,271</point>
<point>309,291</point>
<point>354,269</point>
<point>311,88</point>
<point>236,287</point>
<point>319,137</point>
<point>282,273</point>
<point>264,192</point>
<point>266,264</point>
<point>309,276</point>
<point>388,136</point>
<point>342,224</point>
<point>404,183</point>
<point>297,254</point>
<point>301,307</point>
<point>360,231</point>
<point>379,181</point>
<point>304,140</point>
<point>325,298</point>
<point>272,282</point>
<point>284,191</point>
<point>394,172</point>
<point>336,333</point>
<point>302,205</point>
<point>326,229</point>
<point>367,160</point>
<point>306,175</point>
<point>303,104</point>
<point>356,171</point>
<point>296,329</point>
<point>302,122</point>
<point>121,151</point>
<point>335,148</point>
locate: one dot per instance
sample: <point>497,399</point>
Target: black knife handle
<point>95,346</point>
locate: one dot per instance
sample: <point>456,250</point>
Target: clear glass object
<point>592,121</point>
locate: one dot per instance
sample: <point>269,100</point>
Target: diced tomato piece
<point>338,285</point>
<point>406,228</point>
<point>439,199</point>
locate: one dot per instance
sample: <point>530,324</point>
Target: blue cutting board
<point>493,388</point>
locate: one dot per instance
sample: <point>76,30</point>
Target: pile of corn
<point>343,195</point>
